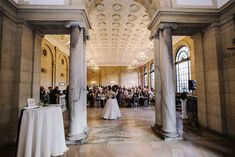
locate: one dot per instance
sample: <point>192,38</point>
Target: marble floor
<point>132,136</point>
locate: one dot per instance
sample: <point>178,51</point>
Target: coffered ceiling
<point>119,35</point>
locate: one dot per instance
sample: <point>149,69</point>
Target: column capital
<point>79,24</point>
<point>163,26</point>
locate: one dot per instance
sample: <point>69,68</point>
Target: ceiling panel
<point>119,32</point>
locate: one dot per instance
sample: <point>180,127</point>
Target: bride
<point>111,110</point>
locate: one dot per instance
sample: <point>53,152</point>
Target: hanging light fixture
<point>142,57</point>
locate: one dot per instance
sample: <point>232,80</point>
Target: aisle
<point>133,127</point>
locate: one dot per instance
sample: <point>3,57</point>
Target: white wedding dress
<point>111,110</point>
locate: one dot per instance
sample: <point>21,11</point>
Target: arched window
<point>152,77</point>
<point>183,69</point>
<point>145,77</point>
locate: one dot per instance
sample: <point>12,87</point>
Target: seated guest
<point>135,99</point>
<point>90,98</point>
<point>125,93</point>
<point>143,97</point>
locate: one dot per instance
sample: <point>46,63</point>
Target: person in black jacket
<point>54,95</point>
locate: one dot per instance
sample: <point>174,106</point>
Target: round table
<point>41,133</point>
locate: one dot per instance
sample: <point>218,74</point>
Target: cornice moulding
<point>9,9</point>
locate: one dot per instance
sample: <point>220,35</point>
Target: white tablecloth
<point>42,133</point>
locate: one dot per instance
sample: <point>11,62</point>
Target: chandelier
<point>91,63</point>
<point>142,57</point>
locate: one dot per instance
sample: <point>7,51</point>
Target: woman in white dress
<point>111,110</point>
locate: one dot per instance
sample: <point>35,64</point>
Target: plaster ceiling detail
<point>60,41</point>
<point>63,43</point>
<point>119,33</point>
<point>150,5</point>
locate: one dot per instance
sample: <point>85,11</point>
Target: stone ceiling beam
<point>46,18</point>
<point>184,18</point>
<point>42,16</point>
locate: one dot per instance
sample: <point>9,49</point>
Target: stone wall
<point>20,70</point>
<point>208,76</point>
<point>227,33</point>
<point>8,84</point>
<point>24,57</point>
<point>200,69</point>
<point>19,74</point>
<point>215,73</point>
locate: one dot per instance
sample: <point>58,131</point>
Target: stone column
<point>158,88</point>
<point>168,129</point>
<point>77,85</point>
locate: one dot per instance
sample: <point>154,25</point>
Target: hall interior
<point>179,53</point>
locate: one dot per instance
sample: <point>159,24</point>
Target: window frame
<point>145,77</point>
<point>182,71</point>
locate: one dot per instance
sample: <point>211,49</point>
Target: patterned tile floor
<point>134,128</point>
<point>131,136</point>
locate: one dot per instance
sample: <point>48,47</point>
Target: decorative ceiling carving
<point>150,5</point>
<point>119,33</point>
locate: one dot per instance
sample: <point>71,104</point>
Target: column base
<point>77,139</point>
<point>166,136</point>
<point>156,127</point>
